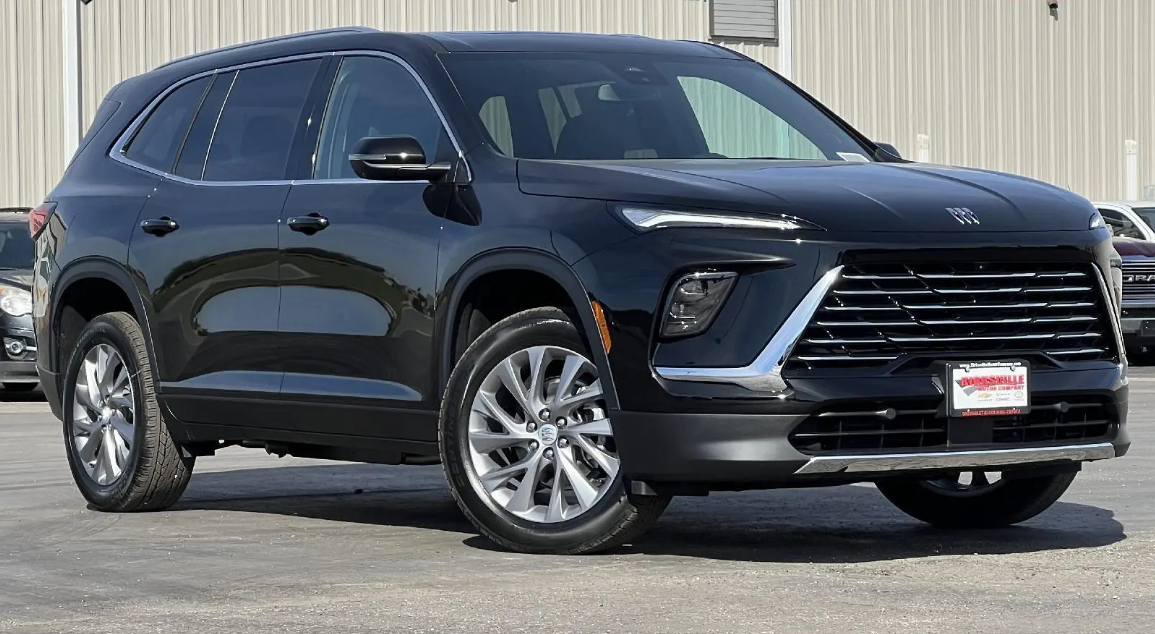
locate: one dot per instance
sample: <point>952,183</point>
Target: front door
<point>207,247</point>
<point>358,268</point>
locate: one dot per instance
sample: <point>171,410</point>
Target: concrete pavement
<point>260,544</point>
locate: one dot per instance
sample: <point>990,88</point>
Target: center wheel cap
<point>548,435</point>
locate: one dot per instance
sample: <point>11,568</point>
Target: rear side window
<point>157,142</point>
<point>254,135</point>
<point>191,163</point>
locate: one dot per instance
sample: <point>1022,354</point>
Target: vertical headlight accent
<point>1117,282</point>
<point>694,301</point>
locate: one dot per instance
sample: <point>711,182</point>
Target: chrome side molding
<point>764,374</point>
<point>884,463</point>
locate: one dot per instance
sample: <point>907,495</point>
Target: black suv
<point>584,273</point>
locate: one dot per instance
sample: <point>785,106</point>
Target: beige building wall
<point>997,84</point>
<point>121,38</point>
<point>31,101</point>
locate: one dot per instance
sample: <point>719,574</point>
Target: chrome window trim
<point>119,147</point>
<point>764,374</point>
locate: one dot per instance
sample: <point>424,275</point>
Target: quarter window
<point>157,142</point>
<point>254,135</point>
<point>374,97</point>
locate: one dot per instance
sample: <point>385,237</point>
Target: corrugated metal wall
<point>997,84</point>
<point>122,38</point>
<point>31,106</point>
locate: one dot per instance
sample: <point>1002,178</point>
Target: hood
<point>1132,247</point>
<point>836,195</point>
<point>20,278</point>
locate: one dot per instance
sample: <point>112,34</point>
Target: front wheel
<point>977,499</point>
<point>527,444</point>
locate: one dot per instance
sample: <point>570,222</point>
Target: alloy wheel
<point>103,415</point>
<point>540,443</point>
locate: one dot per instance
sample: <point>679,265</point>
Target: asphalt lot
<point>260,544</point>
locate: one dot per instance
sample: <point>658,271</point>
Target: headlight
<point>15,301</point>
<point>694,302</point>
<point>1096,221</point>
<point>646,219</point>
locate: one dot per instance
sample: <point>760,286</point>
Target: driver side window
<point>1120,225</point>
<point>374,97</point>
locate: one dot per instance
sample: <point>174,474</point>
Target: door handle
<point>309,224</point>
<point>159,226</point>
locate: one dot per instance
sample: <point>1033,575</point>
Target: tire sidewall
<point>97,332</point>
<point>522,331</point>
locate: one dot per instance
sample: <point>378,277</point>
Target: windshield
<point>585,106</point>
<point>16,247</point>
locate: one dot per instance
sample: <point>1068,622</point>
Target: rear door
<point>206,246</point>
<point>357,296</point>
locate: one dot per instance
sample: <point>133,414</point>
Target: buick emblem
<point>963,215</point>
<point>548,434</point>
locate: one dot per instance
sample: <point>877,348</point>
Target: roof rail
<point>270,40</point>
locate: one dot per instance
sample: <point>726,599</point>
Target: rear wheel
<point>119,447</point>
<point>527,444</point>
<point>975,499</point>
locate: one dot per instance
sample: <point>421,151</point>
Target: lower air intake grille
<point>919,424</point>
<point>878,313</point>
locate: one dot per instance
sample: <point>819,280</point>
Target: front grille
<point>879,313</point>
<point>1139,281</point>
<point>922,424</point>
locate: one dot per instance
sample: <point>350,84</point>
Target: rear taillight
<point>38,217</point>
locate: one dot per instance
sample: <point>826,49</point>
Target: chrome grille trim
<point>881,312</point>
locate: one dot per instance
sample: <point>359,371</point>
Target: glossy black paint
<point>307,313</point>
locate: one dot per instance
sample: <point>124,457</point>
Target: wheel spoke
<point>108,455</point>
<point>584,491</point>
<point>122,450</point>
<point>537,367</point>
<point>595,427</point>
<point>586,395</point>
<point>120,384</point>
<point>606,461</point>
<point>522,500</point>
<point>500,476</point>
<point>91,392</point>
<point>122,427</point>
<point>486,404</point>
<point>87,451</point>
<point>511,379</point>
<point>103,370</point>
<point>488,442</point>
<point>555,512</point>
<point>569,373</point>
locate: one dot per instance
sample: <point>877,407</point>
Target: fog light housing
<point>694,301</point>
<point>15,347</point>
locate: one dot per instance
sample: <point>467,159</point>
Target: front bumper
<point>18,372</point>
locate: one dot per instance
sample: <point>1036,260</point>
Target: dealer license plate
<point>988,388</point>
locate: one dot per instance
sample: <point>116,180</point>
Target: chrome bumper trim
<point>764,374</point>
<point>883,463</point>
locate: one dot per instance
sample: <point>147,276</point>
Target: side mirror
<point>888,149</point>
<point>394,158</point>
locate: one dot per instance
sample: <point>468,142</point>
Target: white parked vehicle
<point>1130,220</point>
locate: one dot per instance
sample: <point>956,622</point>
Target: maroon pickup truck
<point>1138,307</point>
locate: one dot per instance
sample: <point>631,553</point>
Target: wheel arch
<point>106,270</point>
<point>515,260</point>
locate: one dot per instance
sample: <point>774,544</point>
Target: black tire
<point>1008,502</point>
<point>20,387</point>
<point>157,471</point>
<point>617,518</point>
